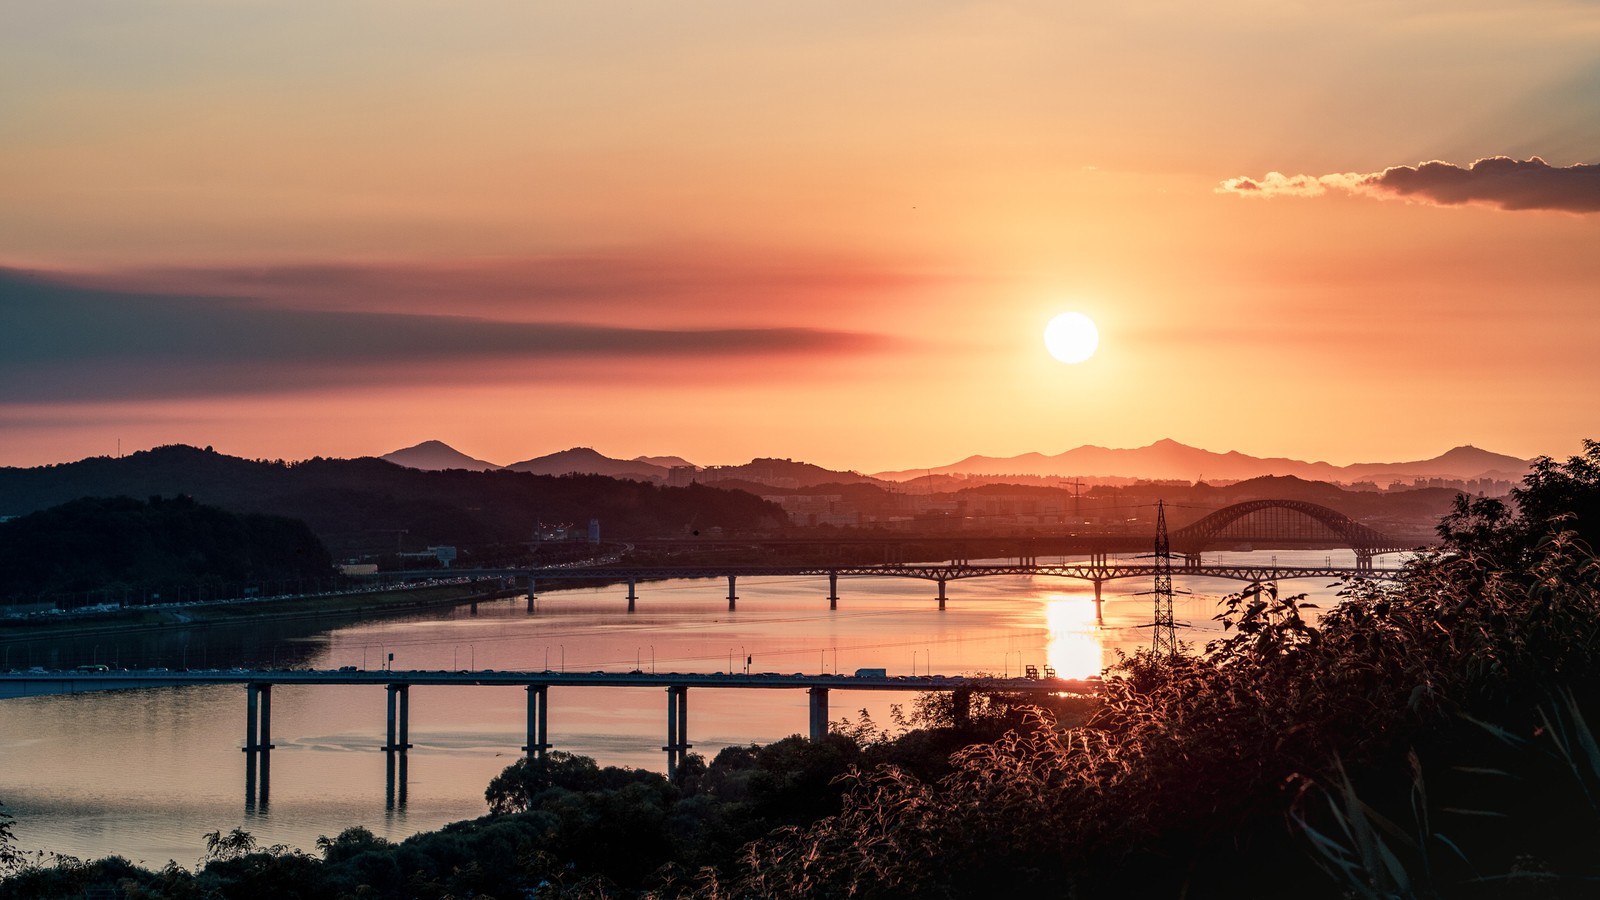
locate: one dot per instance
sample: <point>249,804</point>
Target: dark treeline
<point>119,543</point>
<point>1423,739</point>
<point>362,506</point>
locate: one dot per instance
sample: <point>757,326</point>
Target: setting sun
<point>1071,337</point>
<point>1074,651</point>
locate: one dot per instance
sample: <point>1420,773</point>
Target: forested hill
<point>97,542</point>
<point>361,505</point>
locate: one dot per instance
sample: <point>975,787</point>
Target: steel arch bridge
<point>1281,523</point>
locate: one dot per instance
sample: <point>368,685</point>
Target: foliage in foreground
<point>1208,776</point>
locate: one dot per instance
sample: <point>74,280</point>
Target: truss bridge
<point>1282,524</point>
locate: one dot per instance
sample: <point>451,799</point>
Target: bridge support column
<point>677,727</point>
<point>732,595</point>
<point>399,718</point>
<point>257,743</point>
<point>961,707</point>
<point>1254,590</point>
<point>395,779</point>
<point>538,720</point>
<point>1364,560</point>
<point>819,714</point>
<point>258,712</point>
<point>941,595</point>
<point>531,595</point>
<point>632,594</point>
<point>1099,603</point>
<point>833,590</point>
<point>257,780</point>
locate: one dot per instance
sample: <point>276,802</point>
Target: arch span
<point>1287,523</point>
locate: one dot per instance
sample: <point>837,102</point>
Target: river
<point>145,774</point>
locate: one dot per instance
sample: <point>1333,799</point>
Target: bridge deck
<point>1084,571</point>
<point>33,684</point>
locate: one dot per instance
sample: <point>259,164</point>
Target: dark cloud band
<point>1530,184</point>
<point>64,343</point>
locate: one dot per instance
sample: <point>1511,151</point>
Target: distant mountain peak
<point>434,456</point>
<point>588,461</point>
<point>667,461</point>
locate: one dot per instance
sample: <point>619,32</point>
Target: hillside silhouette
<point>103,542</point>
<point>363,506</point>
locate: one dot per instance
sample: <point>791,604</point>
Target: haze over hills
<point>359,506</point>
<point>1168,459</point>
<point>1162,460</point>
<point>436,455</point>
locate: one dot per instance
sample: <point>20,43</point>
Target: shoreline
<point>131,620</point>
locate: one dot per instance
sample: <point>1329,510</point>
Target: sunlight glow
<point>1074,650</point>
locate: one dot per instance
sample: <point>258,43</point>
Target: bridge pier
<point>399,724</point>
<point>1254,589</point>
<point>961,707</point>
<point>394,793</point>
<point>632,594</point>
<point>1099,603</point>
<point>258,721</point>
<point>257,743</point>
<point>677,727</point>
<point>819,714</point>
<point>833,590</point>
<point>538,720</point>
<point>732,596</point>
<point>941,595</point>
<point>1364,560</point>
<point>257,780</point>
<point>531,595</point>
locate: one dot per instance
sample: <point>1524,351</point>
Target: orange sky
<point>827,231</point>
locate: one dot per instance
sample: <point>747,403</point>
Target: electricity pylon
<point>1164,640</point>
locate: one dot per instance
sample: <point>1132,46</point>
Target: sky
<point>827,231</point>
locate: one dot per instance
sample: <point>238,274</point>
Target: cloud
<point>61,343</point>
<point>1496,181</point>
<point>674,285</point>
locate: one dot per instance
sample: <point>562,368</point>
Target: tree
<point>1553,498</point>
<point>516,788</point>
<point>11,859</point>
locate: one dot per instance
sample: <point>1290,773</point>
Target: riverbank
<point>125,620</point>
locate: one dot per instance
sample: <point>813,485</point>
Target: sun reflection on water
<point>1075,650</point>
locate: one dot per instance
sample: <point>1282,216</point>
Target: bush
<point>1193,770</point>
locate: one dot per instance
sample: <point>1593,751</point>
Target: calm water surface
<point>145,774</point>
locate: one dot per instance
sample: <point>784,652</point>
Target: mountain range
<point>1168,459</point>
<point>1162,460</point>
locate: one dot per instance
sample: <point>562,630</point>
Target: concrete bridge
<point>259,684</point>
